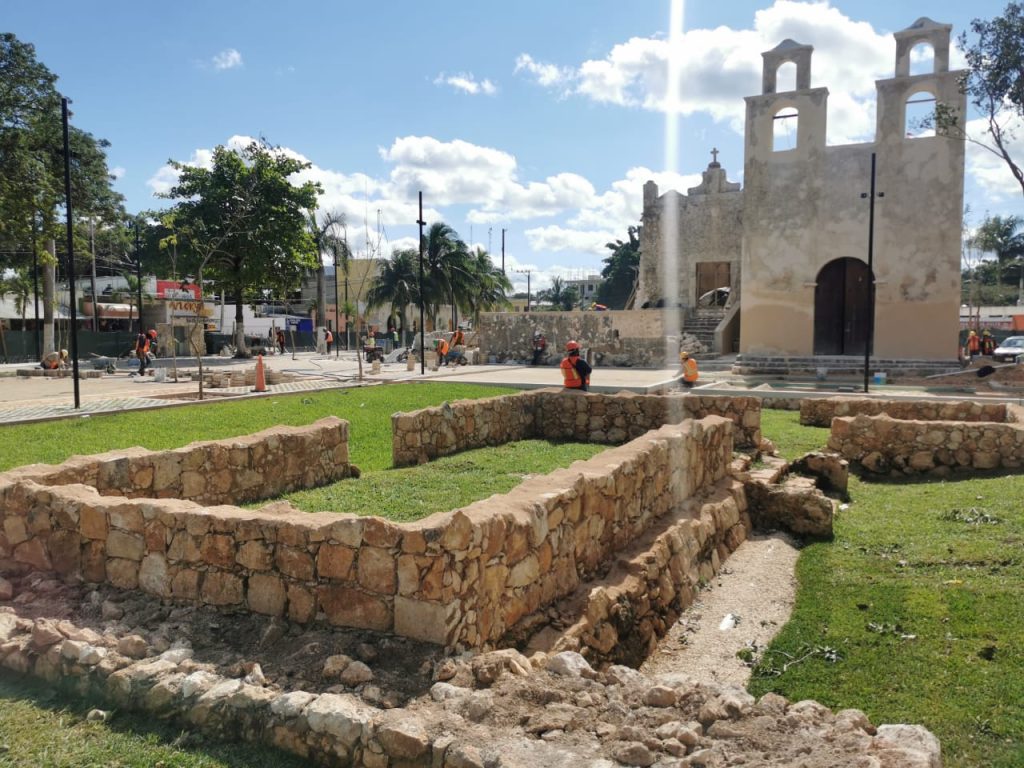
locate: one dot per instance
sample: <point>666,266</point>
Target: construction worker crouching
<point>689,366</point>
<point>53,361</point>
<point>575,370</point>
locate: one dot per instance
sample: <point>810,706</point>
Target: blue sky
<point>543,118</point>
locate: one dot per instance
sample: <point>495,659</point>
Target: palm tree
<point>560,295</point>
<point>18,285</point>
<point>327,233</point>
<point>1002,236</point>
<point>396,285</point>
<point>448,276</point>
<point>490,286</point>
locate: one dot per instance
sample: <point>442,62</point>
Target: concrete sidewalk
<point>28,399</point>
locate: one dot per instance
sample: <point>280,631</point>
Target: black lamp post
<point>423,350</point>
<point>71,249</point>
<point>869,337</point>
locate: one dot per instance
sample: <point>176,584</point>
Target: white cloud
<point>554,238</point>
<point>229,58</point>
<point>466,83</point>
<point>723,65</point>
<point>990,171</point>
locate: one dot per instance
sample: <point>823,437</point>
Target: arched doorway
<point>841,307</point>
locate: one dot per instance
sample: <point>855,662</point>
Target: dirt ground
<point>744,607</point>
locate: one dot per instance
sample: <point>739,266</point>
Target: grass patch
<point>38,729</point>
<point>913,613</point>
<point>411,493</point>
<point>368,411</point>
<point>791,438</point>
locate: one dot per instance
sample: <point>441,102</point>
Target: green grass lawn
<point>444,484</point>
<point>368,411</point>
<point>915,612</point>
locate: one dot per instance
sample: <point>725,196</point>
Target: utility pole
<point>871,272</point>
<point>423,350</point>
<point>503,250</point>
<point>71,249</point>
<point>35,281</point>
<point>527,273</point>
<point>138,271</point>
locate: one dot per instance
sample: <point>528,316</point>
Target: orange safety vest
<point>329,338</point>
<point>570,376</point>
<point>973,342</point>
<point>442,347</point>
<point>142,346</point>
<point>457,338</point>
<point>690,369</point>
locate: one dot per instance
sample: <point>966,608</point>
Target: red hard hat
<point>571,346</point>
<point>151,334</point>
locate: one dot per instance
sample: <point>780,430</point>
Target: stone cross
<point>714,154</point>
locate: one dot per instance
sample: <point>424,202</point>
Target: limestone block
<point>430,622</point>
<point>127,545</point>
<point>153,575</point>
<point>255,555</point>
<point>121,573</point>
<point>218,550</point>
<point>15,530</point>
<point>376,570</point>
<point>220,588</point>
<point>302,605</point>
<point>349,607</point>
<point>294,563</point>
<point>334,561</point>
<point>346,718</point>
<point>266,594</point>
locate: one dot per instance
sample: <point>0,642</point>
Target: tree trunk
<point>49,280</point>
<point>241,348</point>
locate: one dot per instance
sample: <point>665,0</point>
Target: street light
<point>526,272</point>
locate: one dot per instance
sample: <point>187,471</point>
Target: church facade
<point>793,245</point>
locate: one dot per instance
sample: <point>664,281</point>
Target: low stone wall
<point>883,444</point>
<point>556,414</point>
<point>819,413</point>
<point>459,579</point>
<point>626,613</point>
<point>622,338</point>
<point>236,471</point>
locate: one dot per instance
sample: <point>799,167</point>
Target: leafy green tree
<point>247,222</point>
<point>1003,236</point>
<point>396,285</point>
<point>559,295</point>
<point>620,271</point>
<point>994,83</point>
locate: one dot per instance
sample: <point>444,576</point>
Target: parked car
<point>1011,348</point>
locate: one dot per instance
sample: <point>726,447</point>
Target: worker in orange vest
<point>575,370</point>
<point>689,366</point>
<point>973,344</point>
<point>441,347</point>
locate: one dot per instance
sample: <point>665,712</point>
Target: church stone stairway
<point>702,322</point>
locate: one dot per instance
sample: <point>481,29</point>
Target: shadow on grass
<point>961,475</point>
<point>129,738</point>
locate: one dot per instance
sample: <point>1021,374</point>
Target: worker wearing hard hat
<point>689,369</point>
<point>575,370</point>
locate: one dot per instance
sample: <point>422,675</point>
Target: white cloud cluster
<point>723,65</point>
<point>466,83</point>
<point>989,170</point>
<point>229,58</point>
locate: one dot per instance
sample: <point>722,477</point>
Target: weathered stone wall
<point>883,444</point>
<point>625,613</point>
<point>625,338</point>
<point>555,414</point>
<point>460,578</point>
<point>820,412</point>
<point>236,471</point>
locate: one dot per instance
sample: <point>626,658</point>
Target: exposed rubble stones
<point>525,713</point>
<point>819,412</point>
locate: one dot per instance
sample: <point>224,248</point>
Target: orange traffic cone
<point>261,381</point>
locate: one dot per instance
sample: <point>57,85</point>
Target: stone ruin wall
<point>462,578</point>
<point>555,414</point>
<point>617,338</point>
<point>235,471</point>
<point>820,412</point>
<point>883,444</point>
